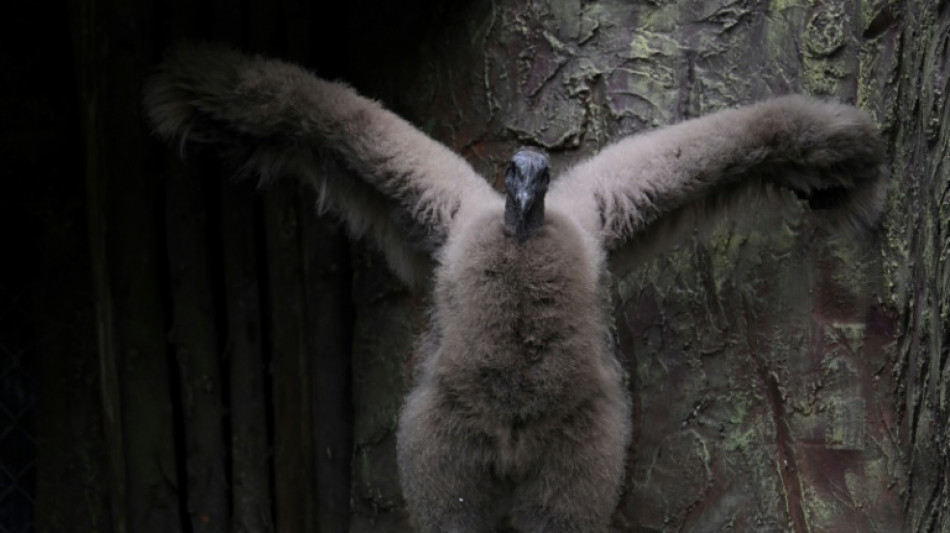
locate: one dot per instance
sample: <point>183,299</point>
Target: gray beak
<point>524,198</point>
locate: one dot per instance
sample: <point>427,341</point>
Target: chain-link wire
<point>17,426</point>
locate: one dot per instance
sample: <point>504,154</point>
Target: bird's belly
<point>516,402</point>
<point>520,377</point>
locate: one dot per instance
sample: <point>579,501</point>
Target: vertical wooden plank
<point>327,279</point>
<point>86,22</point>
<point>329,341</point>
<point>193,338</point>
<point>247,364</point>
<point>126,230</point>
<point>294,481</point>
<point>293,464</point>
<point>147,399</point>
<point>250,451</point>
<point>48,336</point>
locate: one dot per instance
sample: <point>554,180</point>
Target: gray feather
<point>829,153</point>
<point>288,122</point>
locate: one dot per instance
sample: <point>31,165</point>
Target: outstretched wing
<point>828,153</point>
<point>285,120</point>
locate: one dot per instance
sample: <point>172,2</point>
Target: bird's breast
<point>520,325</point>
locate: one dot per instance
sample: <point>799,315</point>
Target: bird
<point>518,418</point>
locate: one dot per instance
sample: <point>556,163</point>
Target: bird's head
<point>526,182</point>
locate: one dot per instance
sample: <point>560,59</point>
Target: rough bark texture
<point>224,360</point>
<point>917,276</point>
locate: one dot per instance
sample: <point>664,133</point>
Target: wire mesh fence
<point>17,426</point>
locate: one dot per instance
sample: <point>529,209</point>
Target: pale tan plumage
<point>518,417</point>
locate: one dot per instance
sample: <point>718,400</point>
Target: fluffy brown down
<point>518,418</point>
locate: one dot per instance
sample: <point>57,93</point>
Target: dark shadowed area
<point>182,351</point>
